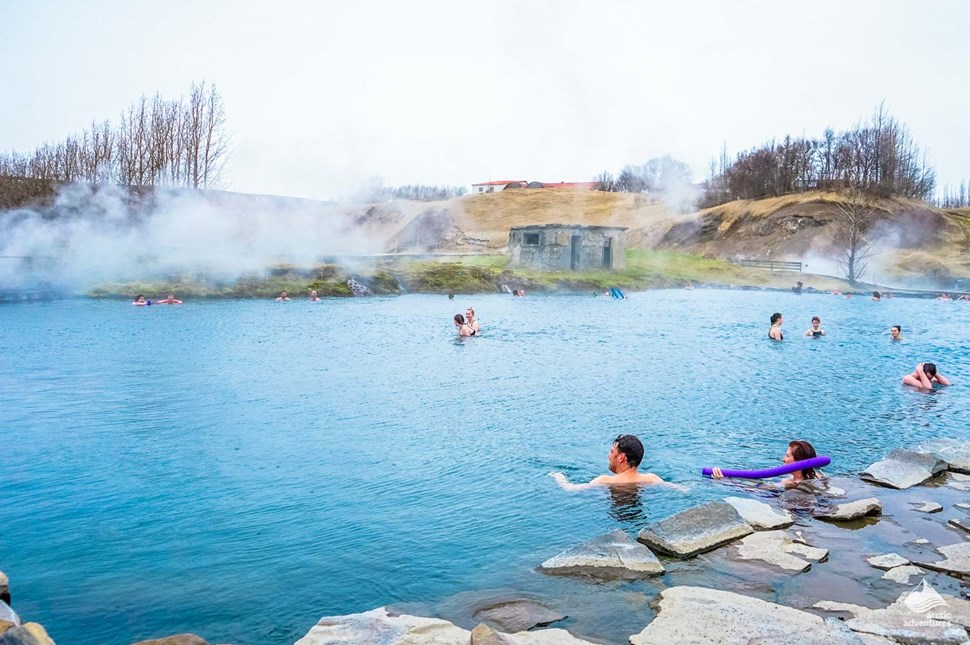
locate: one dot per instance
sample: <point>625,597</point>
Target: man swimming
<point>774,332</point>
<point>625,457</point>
<point>895,332</point>
<point>313,296</point>
<point>283,297</point>
<point>170,300</point>
<point>924,376</point>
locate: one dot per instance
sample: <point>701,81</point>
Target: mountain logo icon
<point>924,598</point>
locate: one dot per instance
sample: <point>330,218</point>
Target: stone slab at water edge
<point>851,510</point>
<point>759,515</point>
<point>904,469</point>
<point>955,452</point>
<point>614,555</point>
<point>956,562</point>
<point>779,549</point>
<point>699,616</point>
<point>695,530</point>
<point>901,624</point>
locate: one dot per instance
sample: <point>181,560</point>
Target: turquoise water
<point>240,469</point>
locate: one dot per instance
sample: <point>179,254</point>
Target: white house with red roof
<point>495,186</point>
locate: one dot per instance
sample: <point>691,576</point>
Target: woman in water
<point>472,322</point>
<point>313,296</point>
<point>799,451</point>
<point>774,333</point>
<point>140,301</point>
<point>463,328</point>
<point>816,331</point>
<point>896,332</point>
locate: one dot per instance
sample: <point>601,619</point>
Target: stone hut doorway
<point>607,252</point>
<point>576,255</point>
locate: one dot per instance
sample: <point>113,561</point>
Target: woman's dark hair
<point>898,328</point>
<point>630,446</point>
<point>774,317</point>
<point>459,319</point>
<point>929,369</point>
<point>139,297</point>
<point>800,451</point>
<point>814,318</point>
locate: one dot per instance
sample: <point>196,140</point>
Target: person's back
<point>774,332</point>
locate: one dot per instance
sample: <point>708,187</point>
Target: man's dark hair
<point>630,446</point>
<point>775,317</point>
<point>929,369</point>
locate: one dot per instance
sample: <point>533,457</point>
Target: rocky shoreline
<point>889,552</point>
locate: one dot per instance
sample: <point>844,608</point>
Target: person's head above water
<point>775,317</point>
<point>816,320</point>
<point>895,331</point>
<point>470,313</point>
<point>139,298</point>
<point>626,453</point>
<point>800,451</point>
<point>459,319</point>
<point>929,369</point>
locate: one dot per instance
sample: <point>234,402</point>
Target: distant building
<point>568,247</point>
<point>507,184</point>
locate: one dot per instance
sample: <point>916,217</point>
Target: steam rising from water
<point>97,234</point>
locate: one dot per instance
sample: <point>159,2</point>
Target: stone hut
<point>568,247</point>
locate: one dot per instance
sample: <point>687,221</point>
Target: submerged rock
<point>851,510</point>
<point>957,561</point>
<point>908,622</point>
<point>781,550</point>
<point>904,469</point>
<point>760,515</point>
<point>887,561</point>
<point>26,634</point>
<point>485,635</point>
<point>614,555</point>
<point>518,615</point>
<point>383,627</point>
<point>928,507</point>
<point>903,574</point>
<point>963,525</point>
<point>177,639</point>
<point>695,530</point>
<point>694,615</point>
<point>955,452</point>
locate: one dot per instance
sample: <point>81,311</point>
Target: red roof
<point>501,183</point>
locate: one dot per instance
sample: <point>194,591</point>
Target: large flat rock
<point>956,560</point>
<point>383,627</point>
<point>779,549</point>
<point>517,615</point>
<point>614,555</point>
<point>904,469</point>
<point>955,452</point>
<point>887,561</point>
<point>485,635</point>
<point>908,621</point>
<point>851,510</point>
<point>760,515</point>
<point>698,616</point>
<point>695,530</point>
<point>177,639</point>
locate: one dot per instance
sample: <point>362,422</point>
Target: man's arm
<point>568,485</point>
<point>942,380</point>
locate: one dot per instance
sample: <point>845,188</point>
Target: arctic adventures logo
<point>923,600</point>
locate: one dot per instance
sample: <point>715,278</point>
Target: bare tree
<point>853,233</point>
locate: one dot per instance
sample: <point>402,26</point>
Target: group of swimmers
<point>285,297</point>
<point>467,325</point>
<point>626,454</point>
<point>140,301</point>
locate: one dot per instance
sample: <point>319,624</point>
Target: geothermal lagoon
<point>239,469</point>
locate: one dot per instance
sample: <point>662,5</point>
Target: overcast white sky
<point>321,94</point>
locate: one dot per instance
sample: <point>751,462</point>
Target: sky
<point>321,96</point>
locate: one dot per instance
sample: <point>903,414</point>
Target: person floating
<point>797,451</point>
<point>624,460</point>
<point>815,330</point>
<point>774,332</point>
<point>140,301</point>
<point>169,300</point>
<point>924,377</point>
<point>313,296</point>
<point>895,332</point>
<point>463,328</point>
<point>282,297</point>
<point>472,321</point>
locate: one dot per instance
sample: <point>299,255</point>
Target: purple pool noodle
<point>814,462</point>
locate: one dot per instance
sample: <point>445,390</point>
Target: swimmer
<point>451,296</point>
<point>815,331</point>
<point>774,333</point>
<point>876,296</point>
<point>689,286</point>
<point>836,292</point>
<point>848,295</point>
<point>472,322</point>
<point>944,296</point>
<point>463,328</point>
<point>625,457</point>
<point>924,377</point>
<point>170,300</point>
<point>797,451</point>
<point>282,297</point>
<point>313,296</point>
<point>895,332</point>
<point>140,301</point>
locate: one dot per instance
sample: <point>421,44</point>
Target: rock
<point>760,515</point>
<point>958,477</point>
<point>518,615</point>
<point>177,639</point>
<point>904,469</point>
<point>694,615</point>
<point>928,507</point>
<point>485,635</point>
<point>963,506</point>
<point>834,491</point>
<point>26,634</point>
<point>851,510</point>
<point>960,524</point>
<point>382,627</point>
<point>956,453</point>
<point>614,555</point>
<point>7,614</point>
<point>902,624</point>
<point>902,574</point>
<point>695,530</point>
<point>798,500</point>
<point>921,541</point>
<point>888,561</point>
<point>4,588</point>
<point>957,561</point>
<point>779,549</point>
<point>5,625</point>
